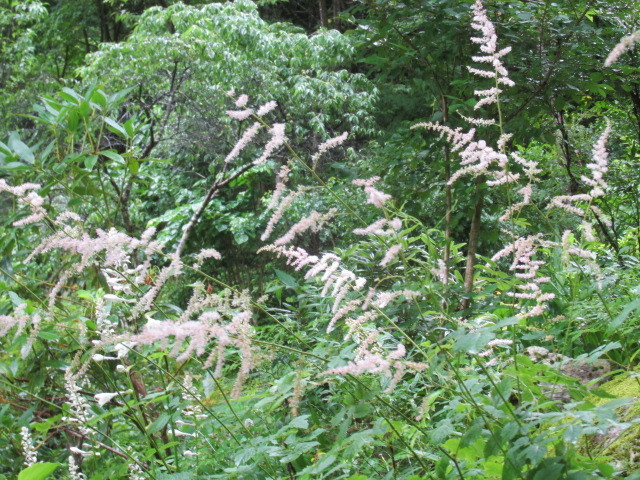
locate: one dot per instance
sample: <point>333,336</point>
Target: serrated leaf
<point>159,423</point>
<point>471,435</point>
<point>473,342</point>
<point>509,431</point>
<point>300,422</point>
<point>298,450</point>
<point>535,453</point>
<point>443,429</point>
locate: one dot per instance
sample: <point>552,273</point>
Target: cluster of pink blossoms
<point>358,310</point>
<point>26,196</point>
<point>525,267</point>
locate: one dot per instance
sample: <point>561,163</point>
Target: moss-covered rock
<point>621,445</point>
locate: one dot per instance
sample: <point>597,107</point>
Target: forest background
<point>319,239</point>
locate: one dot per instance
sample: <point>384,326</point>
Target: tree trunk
<point>474,234</point>
<point>324,21</point>
<point>567,152</point>
<point>447,193</point>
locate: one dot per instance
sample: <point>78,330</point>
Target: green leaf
<point>90,161</point>
<point>325,461</point>
<point>375,60</point>
<point>491,447</point>
<point>300,422</point>
<point>600,351</point>
<point>15,166</point>
<point>21,149</point>
<point>115,127</point>
<point>601,393</point>
<point>38,471</point>
<point>535,453</point>
<point>98,97</point>
<point>70,95</point>
<point>114,156</point>
<point>606,469</point>
<point>128,126</point>
<point>473,342</point>
<point>622,316</point>
<point>442,467</point>
<point>578,475</point>
<point>471,435</point>
<point>118,96</point>
<point>133,165</point>
<point>443,429</point>
<point>509,431</point>
<point>298,450</point>
<point>175,476</point>
<point>287,279</point>
<point>551,470</point>
<point>15,299</point>
<point>43,427</point>
<point>159,423</point>
<point>47,335</point>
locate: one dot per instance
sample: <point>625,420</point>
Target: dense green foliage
<point>192,289</point>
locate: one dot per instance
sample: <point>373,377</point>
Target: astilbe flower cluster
<point>277,130</point>
<point>357,310</point>
<point>26,196</point>
<point>220,320</point>
<point>583,205</point>
<point>526,267</point>
<point>374,196</point>
<point>326,146</point>
<point>621,48</point>
<point>211,324</point>
<point>109,250</point>
<point>598,168</point>
<point>19,319</point>
<point>488,44</point>
<point>477,158</point>
<point>524,249</point>
<point>74,469</point>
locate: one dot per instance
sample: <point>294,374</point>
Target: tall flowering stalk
<point>625,44</point>
<point>28,450</point>
<point>497,166</point>
<point>351,306</point>
<point>477,158</point>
